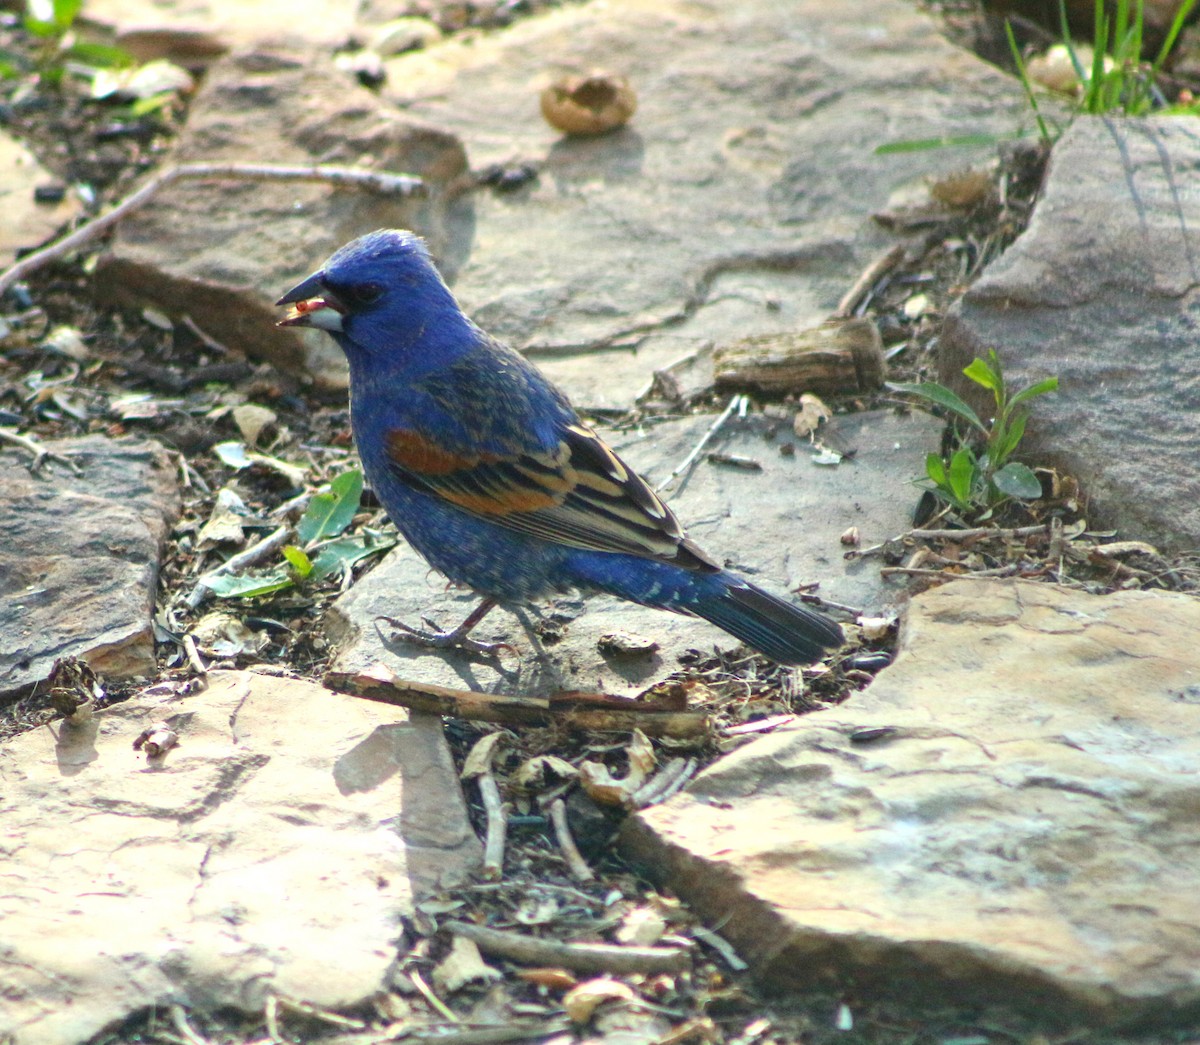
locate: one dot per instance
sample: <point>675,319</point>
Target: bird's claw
<point>456,638</point>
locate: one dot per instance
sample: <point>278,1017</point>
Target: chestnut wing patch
<point>578,493</point>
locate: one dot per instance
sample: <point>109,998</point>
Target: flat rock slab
<point>274,850</point>
<point>1007,814</point>
<point>780,526</point>
<point>737,201</point>
<point>79,559</point>
<point>1103,290</point>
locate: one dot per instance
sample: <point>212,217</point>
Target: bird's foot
<point>456,638</point>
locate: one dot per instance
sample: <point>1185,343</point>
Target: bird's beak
<point>313,305</point>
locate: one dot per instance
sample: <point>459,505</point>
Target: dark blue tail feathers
<point>784,631</point>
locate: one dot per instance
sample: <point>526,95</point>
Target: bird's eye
<point>362,293</point>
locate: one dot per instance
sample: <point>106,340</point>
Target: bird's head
<point>378,295</point>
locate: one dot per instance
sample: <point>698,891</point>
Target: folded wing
<point>578,493</point>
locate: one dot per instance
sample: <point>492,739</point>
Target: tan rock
<point>221,252</point>
<point>1006,814</point>
<point>27,223</point>
<point>274,849</point>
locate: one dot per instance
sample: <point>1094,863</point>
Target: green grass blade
<point>1026,83</point>
<point>1177,22</point>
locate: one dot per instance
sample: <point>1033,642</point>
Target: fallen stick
<point>576,864</point>
<point>375,181</point>
<point>949,535</point>
<point>570,710</point>
<point>583,957</point>
<point>497,826</point>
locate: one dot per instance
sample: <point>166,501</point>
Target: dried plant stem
<point>497,826</point>
<point>582,957</point>
<point>576,864</point>
<point>374,181</point>
<point>252,555</point>
<point>736,403</point>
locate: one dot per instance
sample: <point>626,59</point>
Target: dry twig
<point>576,864</point>
<point>583,957</point>
<point>738,402</point>
<point>252,555</point>
<point>40,453</point>
<point>570,710</point>
<point>375,181</point>
<point>497,826</point>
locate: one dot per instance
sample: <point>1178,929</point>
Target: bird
<point>491,475</point>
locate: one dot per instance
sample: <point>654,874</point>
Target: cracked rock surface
<point>1007,814</point>
<point>290,824</point>
<point>79,559</point>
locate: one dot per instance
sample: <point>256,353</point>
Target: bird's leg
<point>455,639</point>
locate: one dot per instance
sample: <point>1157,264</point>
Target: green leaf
<point>1004,448</point>
<point>339,555</point>
<point>961,476</point>
<point>330,513</point>
<point>943,397</point>
<point>1039,389</point>
<point>935,468</point>
<point>103,56</point>
<point>1017,481</point>
<point>299,562</point>
<point>228,586</point>
<point>982,374</point>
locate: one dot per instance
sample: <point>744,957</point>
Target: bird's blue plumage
<point>489,473</point>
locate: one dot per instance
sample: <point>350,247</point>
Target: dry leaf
<point>605,789</point>
<point>461,966</point>
<point>812,412</point>
<point>221,634</point>
<point>582,1001</point>
<point>536,774</point>
<point>479,760</point>
<point>554,979</point>
<point>642,926</point>
<point>251,420</point>
<point>224,525</point>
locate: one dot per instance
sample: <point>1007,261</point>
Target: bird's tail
<point>784,631</point>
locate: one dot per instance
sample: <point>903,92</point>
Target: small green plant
<point>51,23</point>
<point>1116,79</point>
<point>981,474</point>
<point>321,550</point>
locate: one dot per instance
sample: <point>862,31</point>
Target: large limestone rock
<point>274,850</point>
<point>79,558</point>
<point>738,199</point>
<point>1007,814</point>
<point>1102,290</point>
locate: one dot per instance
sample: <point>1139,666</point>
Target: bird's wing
<point>577,493</point>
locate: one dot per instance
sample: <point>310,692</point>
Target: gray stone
<point>780,526</point>
<point>738,199</point>
<point>1006,815</point>
<point>274,850</point>
<point>1103,290</point>
<point>79,559</point>
<point>223,251</point>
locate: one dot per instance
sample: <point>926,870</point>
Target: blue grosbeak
<point>489,473</point>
